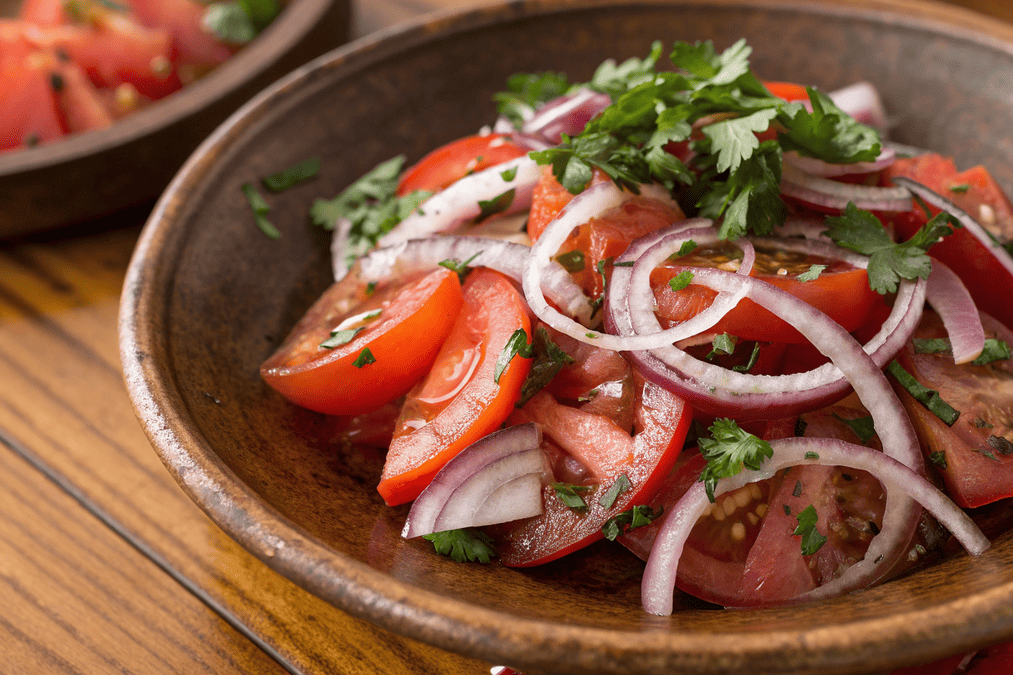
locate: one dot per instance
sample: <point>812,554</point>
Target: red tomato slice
<point>743,552</point>
<point>457,159</point>
<point>28,104</point>
<point>403,328</point>
<point>789,91</point>
<point>977,193</point>
<point>841,291</point>
<point>977,448</point>
<point>459,401</point>
<point>83,108</point>
<point>624,425</point>
<point>43,12</point>
<point>191,44</point>
<point>548,199</point>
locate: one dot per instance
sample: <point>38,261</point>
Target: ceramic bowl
<point>208,297</point>
<point>91,175</point>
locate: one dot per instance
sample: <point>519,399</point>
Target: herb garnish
<point>728,451</point>
<point>621,485</point>
<point>862,426</point>
<point>239,21</point>
<point>341,337</point>
<point>293,175</point>
<point>260,210</point>
<point>812,540</point>
<point>516,345</point>
<point>549,359</point>
<point>364,359</point>
<point>811,274</point>
<point>572,261</point>
<point>463,545</point>
<point>930,398</point>
<point>681,280</point>
<point>638,516</point>
<point>569,495</point>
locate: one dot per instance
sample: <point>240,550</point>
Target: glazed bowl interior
<point>208,298</point>
<point>91,175</point>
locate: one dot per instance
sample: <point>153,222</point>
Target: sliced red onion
<point>933,198</point>
<point>952,301</point>
<point>658,584</point>
<point>567,114</point>
<point>817,167</point>
<point>836,195</point>
<point>506,257</point>
<point>719,391</point>
<point>494,480</point>
<point>861,101</point>
<point>339,248</point>
<point>459,202</point>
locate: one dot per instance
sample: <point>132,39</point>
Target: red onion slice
<point>718,391</point>
<point>817,167</point>
<point>567,114</point>
<point>952,301</point>
<point>658,585</point>
<point>459,202</point>
<point>494,480</point>
<point>506,257</point>
<point>836,195</point>
<point>861,101</point>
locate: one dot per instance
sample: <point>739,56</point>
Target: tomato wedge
<point>460,400</point>
<point>977,193</point>
<point>28,104</point>
<point>457,159</point>
<point>623,425</point>
<point>400,329</point>
<point>841,291</point>
<point>975,454</point>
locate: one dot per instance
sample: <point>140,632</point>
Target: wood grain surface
<point>105,565</point>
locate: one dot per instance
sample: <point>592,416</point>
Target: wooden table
<point>105,565</point>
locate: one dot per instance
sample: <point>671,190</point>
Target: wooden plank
<point>77,598</point>
<point>63,398</point>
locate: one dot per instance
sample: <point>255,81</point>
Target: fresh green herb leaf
<point>753,357</point>
<point>621,485</point>
<point>1001,443</point>
<point>723,344</point>
<point>638,516</point>
<point>862,426</point>
<point>572,261</point>
<point>341,337</point>
<point>939,459</point>
<point>812,274</point>
<point>862,232</point>
<point>462,268</point>
<point>800,426</point>
<point>508,174</point>
<point>549,359</point>
<point>932,346</point>
<point>616,80</point>
<point>797,491</point>
<point>516,345</point>
<point>525,92</point>
<point>569,495</point>
<point>297,173</point>
<point>995,350</point>
<point>260,211</point>
<point>928,397</point>
<point>787,509</point>
<point>812,455</point>
<point>960,188</point>
<point>364,359</point>
<point>687,247</point>
<point>498,204</point>
<point>827,132</point>
<point>728,451</point>
<point>681,280</point>
<point>229,23</point>
<point>735,138</point>
<point>463,545</point>
<point>812,540</point>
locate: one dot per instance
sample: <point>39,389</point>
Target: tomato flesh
<point>978,449</point>
<point>457,159</point>
<point>841,291</point>
<point>459,401</point>
<point>403,327</point>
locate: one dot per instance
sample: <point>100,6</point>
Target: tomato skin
<point>404,339</point>
<point>457,159</point>
<point>597,435</point>
<point>841,291</point>
<point>191,44</point>
<point>961,251</point>
<point>984,397</point>
<point>459,401</point>
<point>789,91</point>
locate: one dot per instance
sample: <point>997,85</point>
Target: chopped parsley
<point>728,451</point>
<point>572,261</point>
<point>260,210</point>
<point>812,540</point>
<point>862,232</point>
<point>681,280</point>
<point>862,426</point>
<point>364,359</point>
<point>498,204</point>
<point>938,458</point>
<point>463,545</point>
<point>570,495</point>
<point>341,337</point>
<point>516,345</point>
<point>1002,444</point>
<point>994,350</point>
<point>812,274</point>
<point>930,398</point>
<point>638,516</point>
<point>621,485</point>
<point>748,365</point>
<point>687,247</point>
<point>462,268</point>
<point>549,359</point>
<point>723,344</point>
<point>293,175</point>
<point>812,455</point>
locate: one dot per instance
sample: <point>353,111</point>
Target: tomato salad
<point>717,319</point>
<point>70,66</point>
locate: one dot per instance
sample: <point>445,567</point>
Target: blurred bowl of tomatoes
<point>101,102</point>
<point>225,268</point>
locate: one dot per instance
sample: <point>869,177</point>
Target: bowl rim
<point>421,614</point>
<point>296,19</point>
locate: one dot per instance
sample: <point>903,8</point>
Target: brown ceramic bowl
<point>208,297</point>
<point>95,174</point>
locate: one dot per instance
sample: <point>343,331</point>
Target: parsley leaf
<point>827,132</point>
<point>364,358</point>
<point>729,450</point>
<point>498,204</point>
<point>621,485</point>
<point>862,232</point>
<point>994,350</point>
<point>549,359</point>
<point>526,91</point>
<point>463,545</point>
<point>341,337</point>
<point>516,345</point>
<point>297,173</point>
<point>572,261</point>
<point>260,210</point>
<point>862,426</point>
<point>811,274</point>
<point>681,280</point>
<point>638,516</point>
<point>812,540</point>
<point>930,398</point>
<point>569,495</point>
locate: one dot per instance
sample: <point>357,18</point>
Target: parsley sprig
<point>728,451</point>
